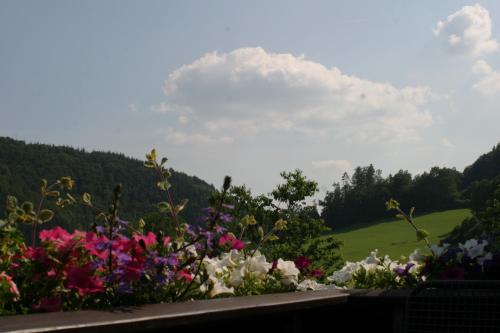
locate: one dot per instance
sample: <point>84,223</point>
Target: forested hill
<point>487,166</point>
<point>22,166</point>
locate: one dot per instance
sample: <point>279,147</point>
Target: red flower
<point>49,304</point>
<point>82,279</point>
<point>149,239</point>
<point>302,262</point>
<point>184,274</point>
<point>453,273</point>
<point>317,273</point>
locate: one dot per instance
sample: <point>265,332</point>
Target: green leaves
<point>45,215</point>
<point>67,182</point>
<point>421,234</point>
<point>163,185</point>
<point>87,199</point>
<point>391,204</point>
<point>164,207</point>
<point>11,204</point>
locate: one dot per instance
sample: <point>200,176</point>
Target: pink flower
<point>184,274</point>
<point>49,304</point>
<point>82,279</point>
<point>149,239</point>
<point>55,234</point>
<point>6,279</point>
<point>317,273</point>
<point>302,262</point>
<point>236,244</point>
<point>166,240</point>
<point>36,254</point>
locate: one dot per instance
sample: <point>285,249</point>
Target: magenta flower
<point>302,262</point>
<point>317,273</point>
<point>149,239</point>
<point>184,275</point>
<point>229,238</point>
<point>56,234</point>
<point>49,304</point>
<point>83,280</point>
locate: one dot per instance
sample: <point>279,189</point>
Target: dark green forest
<point>22,166</point>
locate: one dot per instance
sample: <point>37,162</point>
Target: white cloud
<point>481,67</point>
<point>489,84</point>
<point>468,31</point>
<point>249,91</point>
<point>176,137</point>
<point>340,165</point>
<point>447,143</point>
<point>133,108</point>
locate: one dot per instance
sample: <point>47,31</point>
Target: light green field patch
<point>396,237</point>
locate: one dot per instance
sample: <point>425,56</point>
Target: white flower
<point>345,274</point>
<point>372,259</point>
<point>258,265</point>
<point>416,256</point>
<point>311,285</point>
<point>288,271</point>
<point>439,250</point>
<point>487,256</point>
<point>220,288</point>
<point>191,250</point>
<point>474,248</point>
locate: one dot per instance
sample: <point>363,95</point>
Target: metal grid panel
<point>454,306</point>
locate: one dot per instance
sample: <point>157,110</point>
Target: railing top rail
<point>157,316</point>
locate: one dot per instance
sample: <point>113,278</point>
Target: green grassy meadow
<point>396,237</point>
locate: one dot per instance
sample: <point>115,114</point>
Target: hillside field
<point>396,237</point>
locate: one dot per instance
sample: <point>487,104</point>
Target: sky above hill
<point>253,88</point>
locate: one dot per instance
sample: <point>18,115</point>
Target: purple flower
<point>225,217</point>
<point>125,288</point>
<point>404,271</point>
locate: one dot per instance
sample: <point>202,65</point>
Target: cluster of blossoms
<point>470,260</point>
<point>379,272</point>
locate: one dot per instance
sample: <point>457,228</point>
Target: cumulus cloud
<point>339,165</point>
<point>178,137</point>
<point>447,143</point>
<point>249,91</point>
<point>468,31</point>
<point>133,108</point>
<point>489,84</point>
<point>481,67</point>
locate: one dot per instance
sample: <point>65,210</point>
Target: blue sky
<point>253,88</point>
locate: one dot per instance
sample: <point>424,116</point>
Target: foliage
<point>300,236</point>
<point>485,222</point>
<point>119,263</point>
<point>23,165</point>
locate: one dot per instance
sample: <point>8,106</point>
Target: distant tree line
<point>360,197</point>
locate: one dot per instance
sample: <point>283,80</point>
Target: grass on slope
<point>396,237</point>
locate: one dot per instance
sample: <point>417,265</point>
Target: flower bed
<point>119,263</point>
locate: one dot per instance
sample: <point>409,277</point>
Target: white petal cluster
<point>290,273</point>
<point>228,270</point>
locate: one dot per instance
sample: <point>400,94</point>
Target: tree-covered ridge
<point>360,198</point>
<point>487,166</point>
<point>22,166</point>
